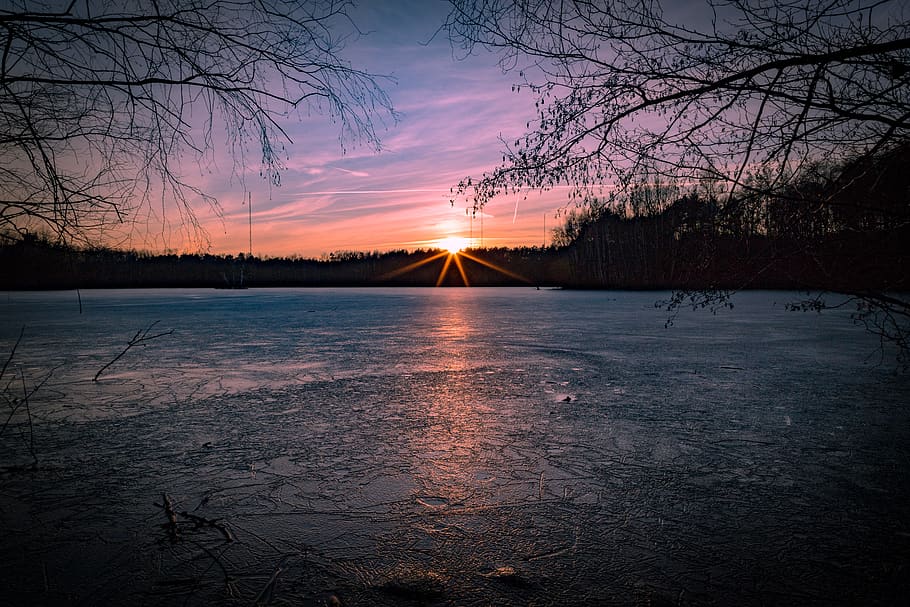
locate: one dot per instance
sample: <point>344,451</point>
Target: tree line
<point>841,227</point>
<point>836,227</point>
<point>37,262</point>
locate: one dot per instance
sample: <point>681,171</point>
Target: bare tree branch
<point>781,116</point>
<point>102,104</point>
<point>12,353</point>
<point>140,338</point>
<point>623,92</point>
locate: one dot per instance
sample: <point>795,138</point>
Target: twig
<point>16,403</point>
<point>229,584</point>
<point>12,352</point>
<point>198,521</point>
<point>265,595</point>
<point>19,402</point>
<point>31,428</point>
<point>140,337</point>
<point>201,521</point>
<point>171,517</point>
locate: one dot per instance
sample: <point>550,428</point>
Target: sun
<point>453,244</point>
<point>454,250</point>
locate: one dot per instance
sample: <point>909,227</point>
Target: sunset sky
<point>453,111</point>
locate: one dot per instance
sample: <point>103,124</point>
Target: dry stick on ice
<point>266,594</point>
<point>201,521</point>
<point>171,517</point>
<point>16,404</point>
<point>141,337</point>
<point>13,403</point>
<point>12,353</point>
<point>31,428</point>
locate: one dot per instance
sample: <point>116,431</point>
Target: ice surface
<point>452,447</point>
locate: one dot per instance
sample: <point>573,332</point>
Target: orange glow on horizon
<point>454,254</point>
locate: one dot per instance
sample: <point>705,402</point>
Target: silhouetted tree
<point>743,94</point>
<point>103,104</point>
<point>626,94</point>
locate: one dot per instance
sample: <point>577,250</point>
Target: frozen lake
<point>448,447</point>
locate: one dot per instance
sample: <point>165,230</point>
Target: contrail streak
<point>403,191</point>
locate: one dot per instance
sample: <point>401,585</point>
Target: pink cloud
<point>453,116</point>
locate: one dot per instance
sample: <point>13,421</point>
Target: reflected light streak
<point>454,447</point>
<point>445,269</point>
<point>456,257</point>
<point>493,266</point>
<point>414,266</point>
<point>464,277</point>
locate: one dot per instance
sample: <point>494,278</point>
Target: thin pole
<point>545,230</point>
<point>250,210</point>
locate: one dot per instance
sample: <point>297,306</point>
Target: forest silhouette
<point>818,234</point>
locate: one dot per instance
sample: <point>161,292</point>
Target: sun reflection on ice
<point>450,447</point>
